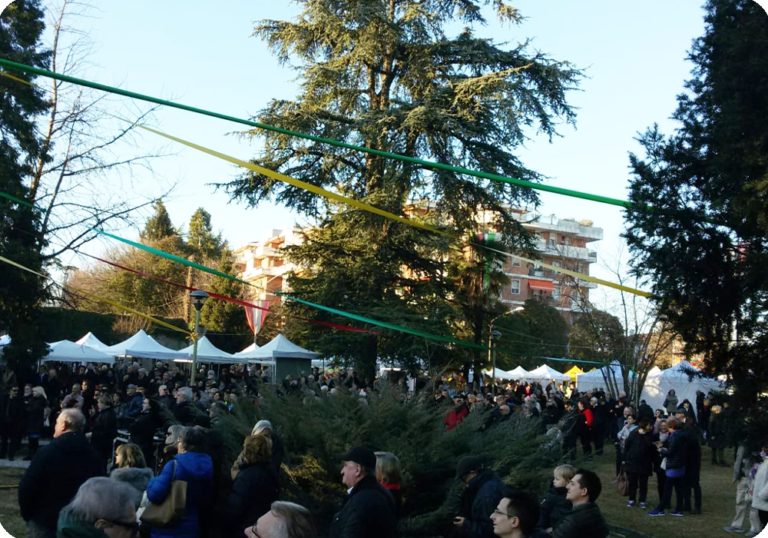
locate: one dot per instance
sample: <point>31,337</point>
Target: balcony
<point>536,222</point>
<point>566,251</point>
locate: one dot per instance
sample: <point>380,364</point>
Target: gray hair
<point>185,393</point>
<point>261,426</point>
<point>292,521</point>
<point>73,418</point>
<point>102,498</point>
<point>174,432</point>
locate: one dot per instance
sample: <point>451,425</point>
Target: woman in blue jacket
<point>194,467</point>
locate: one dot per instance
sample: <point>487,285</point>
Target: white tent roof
<point>500,374</point>
<point>281,347</point>
<point>594,380</point>
<point>5,340</point>
<point>207,352</point>
<point>66,351</point>
<point>90,340</point>
<point>518,373</point>
<point>678,377</point>
<point>143,345</point>
<point>249,352</point>
<point>546,372</point>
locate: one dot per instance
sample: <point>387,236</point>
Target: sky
<point>633,55</point>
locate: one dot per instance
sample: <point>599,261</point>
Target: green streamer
<point>580,361</point>
<point>13,198</point>
<point>384,324</point>
<point>173,257</point>
<point>413,160</point>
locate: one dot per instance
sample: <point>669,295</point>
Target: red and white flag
<point>256,316</point>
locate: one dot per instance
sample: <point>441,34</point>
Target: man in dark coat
<point>55,474</point>
<point>13,419</point>
<point>482,493</point>
<point>585,520</point>
<point>369,510</point>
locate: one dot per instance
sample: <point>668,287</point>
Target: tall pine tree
<point>21,240</point>
<point>386,74</point>
<point>704,241</point>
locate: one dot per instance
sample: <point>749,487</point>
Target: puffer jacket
<point>196,469</point>
<point>584,521</point>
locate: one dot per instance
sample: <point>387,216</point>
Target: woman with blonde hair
<point>130,467</point>
<point>37,411</point>
<point>389,476</point>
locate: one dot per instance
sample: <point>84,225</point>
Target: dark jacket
<point>676,451</point>
<point>554,507</point>
<point>13,416</point>
<point>188,414</point>
<point>196,469</point>
<point>717,438</point>
<point>253,491</point>
<point>368,512</point>
<point>584,521</point>
<point>54,476</point>
<point>692,457</point>
<point>478,502</point>
<point>36,415</point>
<point>104,431</point>
<point>638,453</point>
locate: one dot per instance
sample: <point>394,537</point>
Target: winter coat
<point>196,469</point>
<point>368,512</point>
<point>638,453</point>
<point>13,416</point>
<point>676,450</point>
<point>584,521</point>
<point>253,492</point>
<point>479,500</point>
<point>136,477</point>
<point>56,473</point>
<point>36,414</point>
<point>670,404</point>
<point>760,488</point>
<point>188,414</point>
<point>71,527</point>
<point>455,416</point>
<point>554,507</point>
<point>104,431</point>
<point>717,438</point>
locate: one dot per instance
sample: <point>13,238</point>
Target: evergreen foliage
<point>226,319</point>
<point>527,337</point>
<point>596,335</point>
<point>317,431</point>
<point>21,240</point>
<point>700,225</point>
<point>388,76</point>
<point>159,225</point>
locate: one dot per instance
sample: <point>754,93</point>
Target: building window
<point>556,292</point>
<point>514,286</point>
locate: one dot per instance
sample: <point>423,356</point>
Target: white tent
<point>281,347</point>
<point>207,352</point>
<point>547,373</point>
<point>500,374</point>
<point>595,379</point>
<point>5,340</point>
<point>249,352</point>
<point>518,373</point>
<point>685,378</point>
<point>90,340</point>
<point>66,351</point>
<point>144,346</point>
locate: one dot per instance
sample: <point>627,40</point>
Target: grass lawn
<point>718,500</point>
<point>9,504</point>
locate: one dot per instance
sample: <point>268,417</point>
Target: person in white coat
<point>760,488</point>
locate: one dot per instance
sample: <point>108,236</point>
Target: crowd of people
<point>109,418</point>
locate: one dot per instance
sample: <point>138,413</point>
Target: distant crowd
<point>150,429</point>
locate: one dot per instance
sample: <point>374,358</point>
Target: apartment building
<point>560,242</point>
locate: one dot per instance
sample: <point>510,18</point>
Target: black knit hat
<point>361,456</point>
<point>468,464</point>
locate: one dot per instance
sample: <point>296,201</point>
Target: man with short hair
<point>284,520</point>
<point>369,509</point>
<point>55,474</point>
<point>516,515</point>
<point>585,518</point>
<point>101,504</point>
<point>74,398</point>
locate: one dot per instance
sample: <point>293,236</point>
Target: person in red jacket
<point>457,414</point>
<point>584,426</point>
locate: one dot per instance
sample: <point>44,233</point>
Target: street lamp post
<point>198,298</point>
<point>493,336</point>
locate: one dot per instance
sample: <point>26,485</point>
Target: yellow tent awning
<point>573,372</point>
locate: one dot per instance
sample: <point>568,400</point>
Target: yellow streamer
<point>103,300</point>
<point>301,184</point>
<point>367,207</point>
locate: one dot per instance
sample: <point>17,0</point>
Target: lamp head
<point>198,298</point>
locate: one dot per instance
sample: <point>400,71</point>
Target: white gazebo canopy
<point>499,374</point>
<point>281,347</point>
<point>249,352</point>
<point>683,377</point>
<point>90,340</point>
<point>595,379</point>
<point>545,372</point>
<point>144,346</point>
<point>207,352</point>
<point>66,351</point>
<point>518,373</point>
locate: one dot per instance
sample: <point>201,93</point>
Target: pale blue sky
<point>633,53</point>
